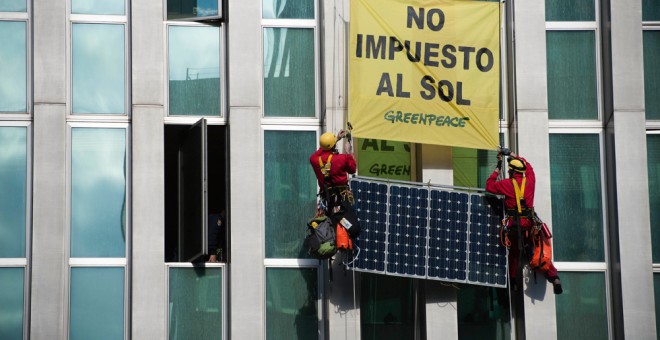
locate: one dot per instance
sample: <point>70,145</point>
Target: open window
<point>195,191</point>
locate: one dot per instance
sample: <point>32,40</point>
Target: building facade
<point>124,124</point>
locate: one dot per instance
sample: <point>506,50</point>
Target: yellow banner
<point>425,71</point>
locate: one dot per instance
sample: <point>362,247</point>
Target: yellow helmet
<point>327,141</point>
<point>517,165</point>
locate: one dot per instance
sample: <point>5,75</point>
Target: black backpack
<point>347,217</point>
<point>321,237</point>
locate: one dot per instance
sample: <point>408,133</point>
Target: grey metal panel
<point>147,52</point>
<point>49,51</point>
<point>49,218</point>
<point>148,286</point>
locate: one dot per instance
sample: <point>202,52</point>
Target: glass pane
<point>483,313</point>
<point>570,10</point>
<point>290,191</point>
<point>288,9</point>
<point>97,303</point>
<point>13,191</point>
<point>13,68</point>
<point>656,289</point>
<point>384,159</point>
<point>291,304</point>
<point>572,75</point>
<point>11,303</point>
<point>111,7</point>
<point>387,308</point>
<point>194,70</point>
<point>583,303</point>
<point>98,69</point>
<point>650,10</point>
<point>186,9</point>
<point>13,6</point>
<point>98,192</point>
<point>195,303</point>
<point>577,214</point>
<point>653,152</point>
<point>651,74</point>
<point>288,70</point>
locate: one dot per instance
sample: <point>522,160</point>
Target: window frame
<point>650,26</point>
<point>27,18</point>
<point>653,131</point>
<point>123,262</point>
<point>125,21</point>
<point>222,118</point>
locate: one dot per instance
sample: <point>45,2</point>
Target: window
<point>651,36</point>
<point>98,74</point>
<point>196,303</point>
<point>194,81</point>
<point>653,157</point>
<point>14,229</point>
<point>194,10</point>
<point>292,303</point>
<point>583,302</point>
<point>384,159</point>
<point>571,59</point>
<point>100,7</point>
<point>387,307</point>
<point>14,65</point>
<point>290,190</point>
<point>13,6</point>
<point>290,59</point>
<point>97,303</point>
<point>99,229</point>
<point>576,189</point>
<point>195,187</point>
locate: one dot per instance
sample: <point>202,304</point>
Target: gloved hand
<point>341,134</point>
<point>504,151</point>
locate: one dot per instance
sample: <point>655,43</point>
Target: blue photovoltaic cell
<point>487,256</point>
<point>408,215</point>
<point>428,232</point>
<point>448,236</point>
<point>371,211</point>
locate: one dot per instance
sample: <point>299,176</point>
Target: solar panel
<point>428,232</point>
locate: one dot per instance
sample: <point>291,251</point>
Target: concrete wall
<point>632,195</point>
<point>49,267</point>
<point>533,144</point>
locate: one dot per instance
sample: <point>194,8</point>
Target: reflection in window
<point>195,303</point>
<point>97,303</point>
<point>11,302</point>
<point>288,9</point>
<point>483,313</point>
<point>13,66</point>
<point>572,75</point>
<point>110,7</point>
<point>194,70</point>
<point>13,6</point>
<point>13,187</point>
<point>577,213</point>
<point>186,9</point>
<point>387,308</point>
<point>653,160</point>
<point>583,303</point>
<point>651,74</point>
<point>291,303</point>
<point>289,79</point>
<point>98,69</point>
<point>570,10</point>
<point>98,192</point>
<point>656,289</point>
<point>290,182</point>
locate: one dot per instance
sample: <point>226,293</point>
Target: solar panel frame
<point>419,222</point>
